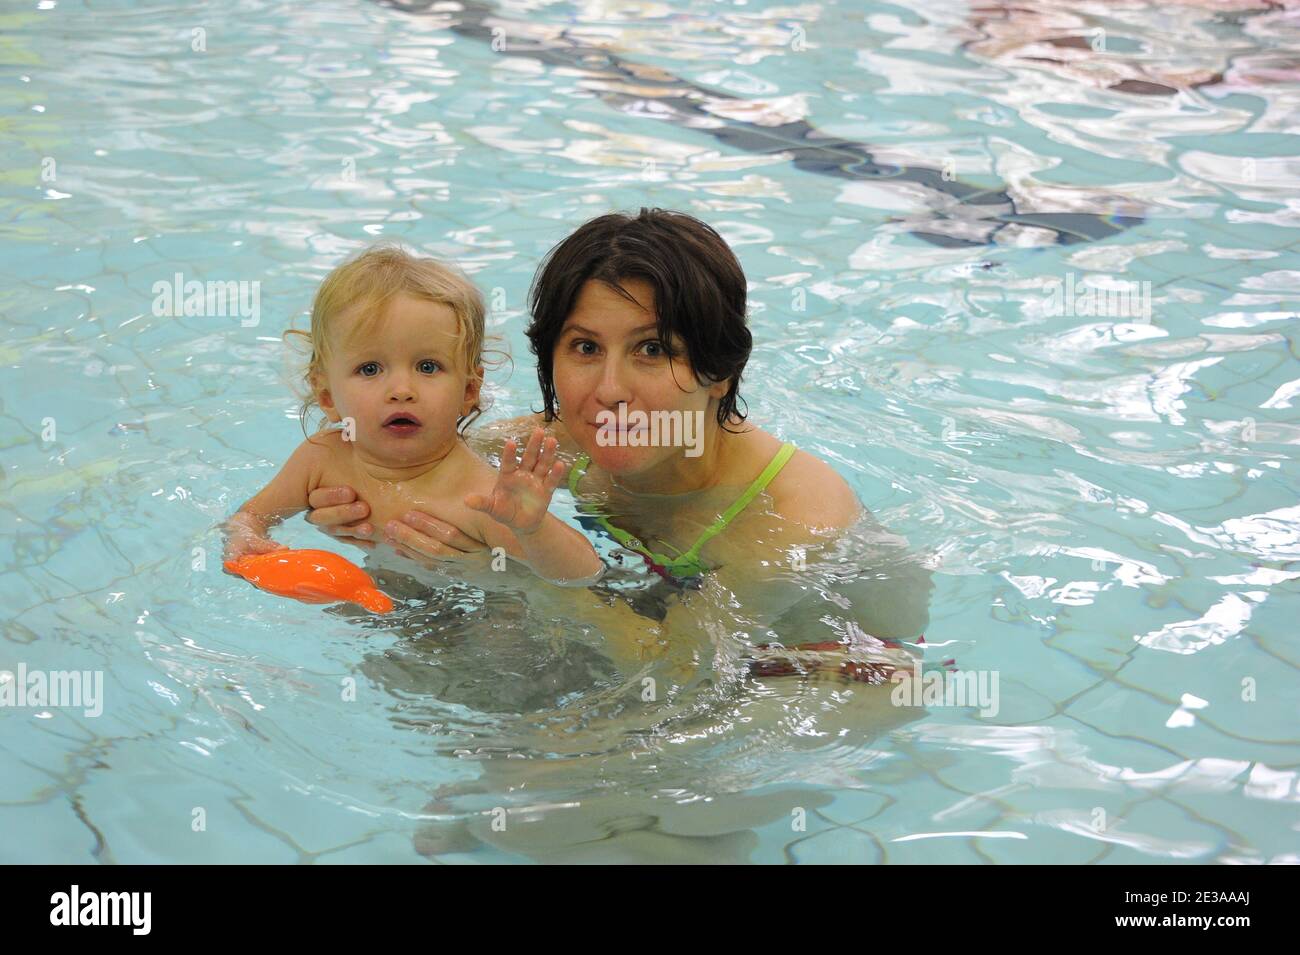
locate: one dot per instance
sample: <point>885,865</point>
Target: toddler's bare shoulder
<point>329,457</point>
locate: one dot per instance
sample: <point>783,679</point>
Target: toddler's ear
<point>326,402</point>
<point>473,386</point>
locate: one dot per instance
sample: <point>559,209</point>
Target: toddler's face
<point>402,386</point>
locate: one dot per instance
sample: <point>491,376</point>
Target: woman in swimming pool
<point>638,315</point>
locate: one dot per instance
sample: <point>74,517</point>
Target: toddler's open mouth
<point>402,424</point>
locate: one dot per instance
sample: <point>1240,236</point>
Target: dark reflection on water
<point>510,669</point>
<point>580,759</point>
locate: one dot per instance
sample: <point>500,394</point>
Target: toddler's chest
<point>390,500</point>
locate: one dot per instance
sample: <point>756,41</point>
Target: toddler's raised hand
<point>524,488</point>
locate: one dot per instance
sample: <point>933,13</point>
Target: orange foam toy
<point>312,576</point>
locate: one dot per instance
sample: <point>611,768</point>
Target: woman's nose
<point>612,388</point>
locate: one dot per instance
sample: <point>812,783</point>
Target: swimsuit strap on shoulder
<point>623,537</point>
<point>756,488</point>
<point>688,562</point>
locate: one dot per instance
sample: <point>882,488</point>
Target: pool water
<point>1099,482</point>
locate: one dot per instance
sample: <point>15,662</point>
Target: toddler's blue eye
<point>369,369</point>
<point>428,366</point>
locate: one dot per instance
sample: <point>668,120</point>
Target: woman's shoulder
<point>491,435</point>
<point>809,491</point>
<point>510,426</point>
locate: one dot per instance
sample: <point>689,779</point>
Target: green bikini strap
<point>575,474</point>
<point>762,481</point>
<point>759,484</point>
<point>577,471</point>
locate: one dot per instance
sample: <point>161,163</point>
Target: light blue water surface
<point>1110,500</point>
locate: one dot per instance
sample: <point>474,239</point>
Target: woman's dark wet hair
<point>698,284</point>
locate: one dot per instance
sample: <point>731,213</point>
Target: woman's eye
<point>369,369</point>
<point>428,366</point>
<point>654,348</point>
<point>581,345</point>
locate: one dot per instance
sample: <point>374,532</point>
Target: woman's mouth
<point>402,424</point>
<point>612,427</point>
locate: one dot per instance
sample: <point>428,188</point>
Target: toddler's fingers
<point>530,452</point>
<point>243,548</point>
<point>547,457</point>
<point>555,476</point>
<point>508,460</point>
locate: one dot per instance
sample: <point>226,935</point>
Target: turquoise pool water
<point>1101,489</point>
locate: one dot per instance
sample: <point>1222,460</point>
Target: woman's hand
<point>337,512</point>
<point>418,536</point>
<point>427,540</point>
<point>522,495</point>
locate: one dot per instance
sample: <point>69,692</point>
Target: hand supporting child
<point>519,501</point>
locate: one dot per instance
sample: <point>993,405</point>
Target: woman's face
<point>609,355</point>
